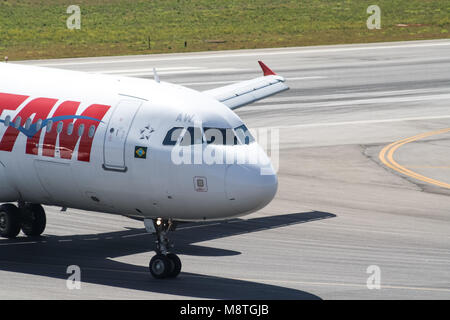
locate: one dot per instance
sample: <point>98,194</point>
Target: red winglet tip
<point>266,69</point>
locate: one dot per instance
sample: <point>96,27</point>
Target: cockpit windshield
<point>193,135</point>
<point>244,134</point>
<point>172,136</point>
<point>218,136</point>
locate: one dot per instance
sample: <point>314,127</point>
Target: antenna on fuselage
<point>156,75</point>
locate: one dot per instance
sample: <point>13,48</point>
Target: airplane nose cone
<point>249,189</point>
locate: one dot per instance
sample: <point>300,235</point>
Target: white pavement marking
<point>353,103</point>
<point>143,70</point>
<point>200,226</point>
<point>348,285</point>
<point>236,81</point>
<point>332,284</point>
<point>16,243</point>
<point>135,235</point>
<point>258,53</point>
<point>345,123</point>
<point>306,78</point>
<point>368,95</point>
<point>203,70</point>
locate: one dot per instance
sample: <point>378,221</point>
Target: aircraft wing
<point>242,93</point>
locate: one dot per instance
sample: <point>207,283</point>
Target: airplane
<point>142,148</point>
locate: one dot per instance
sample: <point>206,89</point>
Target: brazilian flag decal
<point>140,152</point>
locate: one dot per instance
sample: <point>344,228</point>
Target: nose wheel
<point>164,264</point>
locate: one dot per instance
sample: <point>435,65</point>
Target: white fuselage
<point>95,142</point>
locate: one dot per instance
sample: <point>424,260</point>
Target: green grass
<point>37,29</point>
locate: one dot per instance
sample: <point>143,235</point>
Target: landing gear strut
<point>165,264</point>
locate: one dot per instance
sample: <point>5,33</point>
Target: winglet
<point>266,69</point>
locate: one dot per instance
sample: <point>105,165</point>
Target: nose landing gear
<point>164,264</point>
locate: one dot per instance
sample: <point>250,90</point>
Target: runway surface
<point>340,207</point>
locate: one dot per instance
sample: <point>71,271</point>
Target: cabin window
<point>91,131</point>
<point>49,126</point>
<point>39,124</point>
<point>17,122</point>
<point>244,134</point>
<point>70,129</point>
<point>7,121</point>
<point>80,130</point>
<point>59,127</point>
<point>28,124</point>
<point>172,136</point>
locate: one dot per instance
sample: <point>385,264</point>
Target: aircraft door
<point>117,133</point>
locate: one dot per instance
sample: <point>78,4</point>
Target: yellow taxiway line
<point>386,156</point>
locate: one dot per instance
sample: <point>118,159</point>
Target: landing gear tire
<point>9,220</point>
<point>160,266</point>
<point>33,219</point>
<point>176,265</point>
<point>165,266</point>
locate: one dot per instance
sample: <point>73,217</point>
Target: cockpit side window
<point>220,136</point>
<point>172,136</point>
<point>193,135</point>
<point>244,135</point>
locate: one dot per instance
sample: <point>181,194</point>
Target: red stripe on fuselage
<point>10,101</point>
<point>64,109</point>
<point>40,107</point>
<point>67,143</point>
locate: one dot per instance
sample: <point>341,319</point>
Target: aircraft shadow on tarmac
<point>50,256</point>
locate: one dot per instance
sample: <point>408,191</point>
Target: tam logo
<point>65,113</point>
